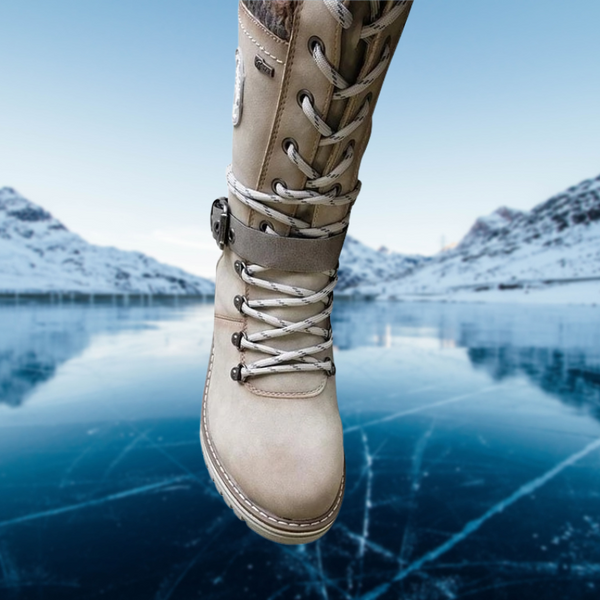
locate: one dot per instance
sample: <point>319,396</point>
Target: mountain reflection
<point>35,341</point>
<point>556,347</point>
<point>566,375</point>
<point>39,335</point>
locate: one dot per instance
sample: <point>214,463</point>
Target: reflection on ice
<point>38,336</point>
<point>472,443</point>
<point>34,342</point>
<point>556,348</point>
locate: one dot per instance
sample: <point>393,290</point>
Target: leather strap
<point>299,255</point>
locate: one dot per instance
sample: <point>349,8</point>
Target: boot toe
<point>299,485</point>
<point>290,471</point>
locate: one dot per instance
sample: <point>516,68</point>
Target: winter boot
<point>271,432</point>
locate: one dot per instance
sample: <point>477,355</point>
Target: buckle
<point>219,221</point>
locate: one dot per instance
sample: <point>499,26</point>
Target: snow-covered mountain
<point>558,240</point>
<point>361,265</point>
<point>39,254</point>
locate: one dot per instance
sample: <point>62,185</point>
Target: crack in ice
<point>418,409</point>
<point>415,484</point>
<point>122,455</point>
<point>321,572</point>
<point>89,503</point>
<point>376,548</point>
<point>368,487</point>
<point>192,563</point>
<point>475,524</point>
<point>316,577</point>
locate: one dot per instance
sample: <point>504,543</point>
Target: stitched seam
<point>258,44</point>
<point>282,102</point>
<point>266,393</point>
<point>260,26</point>
<point>238,491</point>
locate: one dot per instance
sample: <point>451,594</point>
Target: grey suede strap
<point>299,255</point>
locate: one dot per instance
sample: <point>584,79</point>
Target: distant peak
<point>487,226</point>
<point>21,209</point>
<point>507,213</point>
<point>501,217</point>
<point>8,192</point>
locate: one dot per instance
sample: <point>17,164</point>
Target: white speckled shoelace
<point>281,361</point>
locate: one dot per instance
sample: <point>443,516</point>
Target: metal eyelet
<point>236,373</point>
<point>313,42</point>
<point>239,302</point>
<point>305,94</point>
<point>275,182</point>
<point>264,225</point>
<point>236,339</point>
<point>289,142</point>
<point>231,236</point>
<point>239,267</point>
<point>332,370</point>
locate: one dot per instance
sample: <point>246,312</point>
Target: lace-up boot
<point>271,433</point>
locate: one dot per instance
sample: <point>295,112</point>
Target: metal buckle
<point>220,228</point>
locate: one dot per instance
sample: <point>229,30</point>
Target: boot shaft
<point>276,76</point>
<point>302,120</point>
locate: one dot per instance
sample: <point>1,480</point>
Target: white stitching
<point>239,492</point>
<point>258,44</point>
<point>248,15</point>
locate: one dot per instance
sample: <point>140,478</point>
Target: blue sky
<point>115,115</point>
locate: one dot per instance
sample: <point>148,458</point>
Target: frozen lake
<point>472,442</point>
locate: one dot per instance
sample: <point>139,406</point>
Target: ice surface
<point>472,437</point>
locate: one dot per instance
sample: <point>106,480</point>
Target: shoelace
<point>281,361</point>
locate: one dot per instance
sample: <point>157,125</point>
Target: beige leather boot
<point>271,432</point>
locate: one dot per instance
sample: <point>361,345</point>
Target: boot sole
<point>268,526</point>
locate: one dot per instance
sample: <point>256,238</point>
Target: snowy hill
<point>557,241</point>
<point>39,254</point>
<point>361,265</point>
